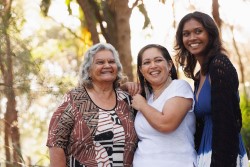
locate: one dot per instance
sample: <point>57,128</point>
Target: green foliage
<point>67,2</point>
<point>245,110</point>
<point>23,65</point>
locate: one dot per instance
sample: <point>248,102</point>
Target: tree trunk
<point>113,18</point>
<point>90,19</point>
<point>122,16</point>
<point>11,120</point>
<point>216,13</point>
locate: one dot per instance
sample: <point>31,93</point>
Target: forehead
<point>191,24</point>
<point>104,54</point>
<point>151,53</point>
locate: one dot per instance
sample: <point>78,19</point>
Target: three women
<point>165,121</point>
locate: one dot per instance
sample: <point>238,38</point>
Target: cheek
<point>184,40</point>
<point>143,71</point>
<point>115,67</point>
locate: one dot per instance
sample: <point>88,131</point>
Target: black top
<point>226,113</point>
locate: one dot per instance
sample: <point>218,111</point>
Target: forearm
<point>57,157</point>
<point>171,115</point>
<point>156,119</point>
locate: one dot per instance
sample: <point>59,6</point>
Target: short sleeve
<point>61,124</point>
<point>183,89</point>
<point>178,88</point>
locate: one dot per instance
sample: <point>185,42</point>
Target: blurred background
<point>42,43</point>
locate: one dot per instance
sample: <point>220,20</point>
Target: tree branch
<point>135,4</point>
<point>73,33</point>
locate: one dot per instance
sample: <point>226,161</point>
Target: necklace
<point>156,93</point>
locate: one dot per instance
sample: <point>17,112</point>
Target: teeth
<point>194,45</point>
<point>154,73</point>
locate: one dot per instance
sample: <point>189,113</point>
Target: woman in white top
<point>165,122</point>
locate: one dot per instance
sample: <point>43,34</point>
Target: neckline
<point>99,106</point>
<point>196,90</point>
<point>168,85</point>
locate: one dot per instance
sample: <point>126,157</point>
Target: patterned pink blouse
<point>92,136</point>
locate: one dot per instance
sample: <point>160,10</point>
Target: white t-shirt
<point>174,149</point>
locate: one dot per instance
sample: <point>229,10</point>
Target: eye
<point>185,34</point>
<point>145,62</point>
<point>158,60</point>
<point>111,61</point>
<point>99,62</point>
<point>198,31</point>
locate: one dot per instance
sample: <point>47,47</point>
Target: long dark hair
<point>144,84</point>
<point>214,47</point>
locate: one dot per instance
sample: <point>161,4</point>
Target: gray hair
<point>84,78</point>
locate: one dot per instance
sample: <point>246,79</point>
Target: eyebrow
<point>154,58</point>
<point>200,27</point>
<point>105,59</point>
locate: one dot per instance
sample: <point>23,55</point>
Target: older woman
<point>94,125</point>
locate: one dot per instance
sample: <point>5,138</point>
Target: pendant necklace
<point>160,92</point>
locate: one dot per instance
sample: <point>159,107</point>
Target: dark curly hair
<point>214,47</point>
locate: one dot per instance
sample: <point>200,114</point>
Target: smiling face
<point>104,68</point>
<point>195,37</point>
<point>154,67</point>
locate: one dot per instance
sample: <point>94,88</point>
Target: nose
<point>107,64</point>
<point>152,64</point>
<point>192,36</point>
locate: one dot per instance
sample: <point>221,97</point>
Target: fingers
<point>139,89</point>
<point>138,101</point>
<point>133,88</point>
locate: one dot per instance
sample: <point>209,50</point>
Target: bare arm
<point>57,157</point>
<point>174,111</point>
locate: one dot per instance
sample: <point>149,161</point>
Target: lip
<point>107,72</point>
<point>154,73</point>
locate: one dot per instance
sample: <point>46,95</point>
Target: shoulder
<point>182,88</point>
<point>221,61</point>
<point>77,92</point>
<point>120,91</point>
<point>122,94</point>
<point>221,66</point>
<point>181,83</point>
<point>223,73</point>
